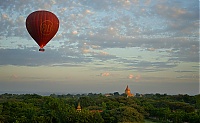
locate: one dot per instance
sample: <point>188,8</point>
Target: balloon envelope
<point>42,26</point>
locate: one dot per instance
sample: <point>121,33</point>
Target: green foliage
<point>197,97</point>
<point>96,108</point>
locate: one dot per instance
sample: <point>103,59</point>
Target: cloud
<point>89,12</point>
<point>185,71</point>
<point>180,16</point>
<point>32,57</point>
<point>191,77</point>
<point>147,66</point>
<point>105,74</point>
<point>136,78</point>
<point>75,32</point>
<point>151,49</point>
<point>86,51</point>
<point>131,76</point>
<point>149,25</point>
<point>14,76</point>
<point>177,10</point>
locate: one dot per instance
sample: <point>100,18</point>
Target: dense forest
<point>98,108</point>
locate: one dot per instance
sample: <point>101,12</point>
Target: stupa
<point>128,92</point>
<point>78,107</point>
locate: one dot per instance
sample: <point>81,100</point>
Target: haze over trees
<point>98,108</point>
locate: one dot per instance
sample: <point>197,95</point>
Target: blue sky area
<point>102,46</point>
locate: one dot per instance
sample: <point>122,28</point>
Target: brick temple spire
<point>128,92</point>
<point>78,107</point>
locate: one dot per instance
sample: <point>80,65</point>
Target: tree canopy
<point>97,108</point>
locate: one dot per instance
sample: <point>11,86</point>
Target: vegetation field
<point>148,121</point>
<point>99,108</point>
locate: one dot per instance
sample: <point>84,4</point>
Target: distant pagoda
<point>128,92</point>
<point>78,107</point>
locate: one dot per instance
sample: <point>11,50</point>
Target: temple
<point>78,107</point>
<point>128,92</point>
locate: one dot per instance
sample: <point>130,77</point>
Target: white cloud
<point>151,25</point>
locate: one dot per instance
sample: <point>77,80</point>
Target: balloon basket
<point>41,50</point>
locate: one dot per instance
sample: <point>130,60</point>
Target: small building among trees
<point>128,92</point>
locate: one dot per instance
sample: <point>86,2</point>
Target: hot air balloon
<point>42,26</point>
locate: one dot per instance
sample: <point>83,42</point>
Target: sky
<point>102,46</point>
